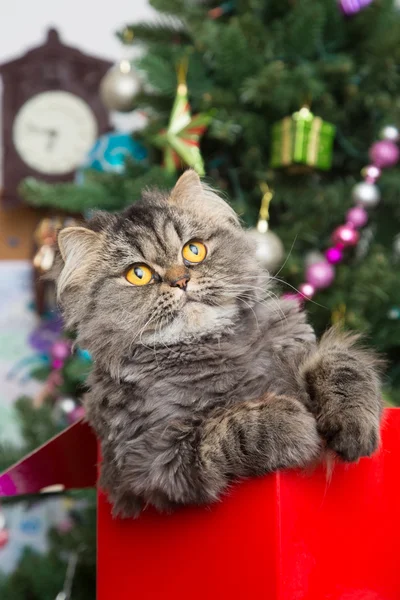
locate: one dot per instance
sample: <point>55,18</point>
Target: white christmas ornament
<point>366,194</point>
<point>390,133</point>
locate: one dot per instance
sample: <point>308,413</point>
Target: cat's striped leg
<point>194,461</point>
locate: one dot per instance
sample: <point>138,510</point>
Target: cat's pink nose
<point>181,282</point>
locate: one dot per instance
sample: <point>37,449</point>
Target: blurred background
<point>290,108</point>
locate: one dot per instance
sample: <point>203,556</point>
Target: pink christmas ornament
<point>76,414</point>
<point>357,216</point>
<point>320,275</point>
<point>384,154</point>
<point>57,363</point>
<point>352,7</point>
<point>307,290</point>
<point>4,537</point>
<point>291,296</point>
<point>371,173</point>
<point>334,255</point>
<point>61,349</point>
<point>346,235</point>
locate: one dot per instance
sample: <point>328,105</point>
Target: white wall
<point>86,24</point>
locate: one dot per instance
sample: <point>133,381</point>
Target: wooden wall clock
<point>51,113</point>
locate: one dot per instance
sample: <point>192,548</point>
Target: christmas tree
<point>253,67</point>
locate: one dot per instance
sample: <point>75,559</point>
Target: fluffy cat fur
<point>192,389</point>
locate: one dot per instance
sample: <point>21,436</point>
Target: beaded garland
<point>384,154</point>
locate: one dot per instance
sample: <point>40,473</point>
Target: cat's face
<point>168,269</point>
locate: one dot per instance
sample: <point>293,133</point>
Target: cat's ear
<point>76,242</point>
<point>78,247</point>
<point>186,188</point>
<point>194,195</point>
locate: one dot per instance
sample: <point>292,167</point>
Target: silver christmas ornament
<point>67,405</point>
<point>396,246</point>
<point>366,194</point>
<point>119,87</point>
<point>390,133</point>
<point>269,249</point>
<point>313,257</point>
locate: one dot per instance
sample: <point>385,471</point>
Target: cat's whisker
<point>298,292</point>
<point>288,256</point>
<point>252,310</point>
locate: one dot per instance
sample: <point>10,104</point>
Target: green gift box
<point>302,139</point>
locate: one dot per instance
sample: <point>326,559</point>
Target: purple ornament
<point>334,255</point>
<point>371,173</point>
<point>357,216</point>
<point>346,235</point>
<point>384,154</point>
<point>352,7</point>
<point>320,275</point>
<point>57,363</point>
<point>61,349</point>
<point>42,338</point>
<point>307,290</point>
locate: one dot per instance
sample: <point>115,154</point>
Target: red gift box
<point>287,536</point>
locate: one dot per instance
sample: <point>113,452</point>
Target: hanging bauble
<point>67,410</point>
<point>4,533</point>
<point>357,216</point>
<point>67,405</point>
<point>334,255</point>
<point>4,537</point>
<point>312,257</point>
<point>366,194</point>
<point>307,290</point>
<point>111,151</point>
<point>320,275</point>
<point>119,87</point>
<point>384,154</point>
<point>76,414</point>
<point>390,133</point>
<point>270,251</point>
<point>345,235</point>
<point>181,140</point>
<point>371,173</point>
<point>394,313</point>
<point>302,139</point>
<point>352,7</point>
<point>396,246</point>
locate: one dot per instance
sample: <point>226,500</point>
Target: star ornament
<point>181,139</point>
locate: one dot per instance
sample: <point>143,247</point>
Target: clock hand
<point>46,130</point>
<point>53,134</point>
<point>37,129</point>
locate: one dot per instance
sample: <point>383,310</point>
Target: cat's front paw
<point>351,434</point>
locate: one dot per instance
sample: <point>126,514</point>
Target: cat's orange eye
<point>139,275</point>
<point>194,252</point>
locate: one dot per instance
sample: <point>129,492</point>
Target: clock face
<point>53,132</point>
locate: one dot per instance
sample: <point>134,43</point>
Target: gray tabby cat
<point>200,376</point>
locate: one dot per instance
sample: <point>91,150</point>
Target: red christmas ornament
<point>4,537</point>
<point>346,235</point>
